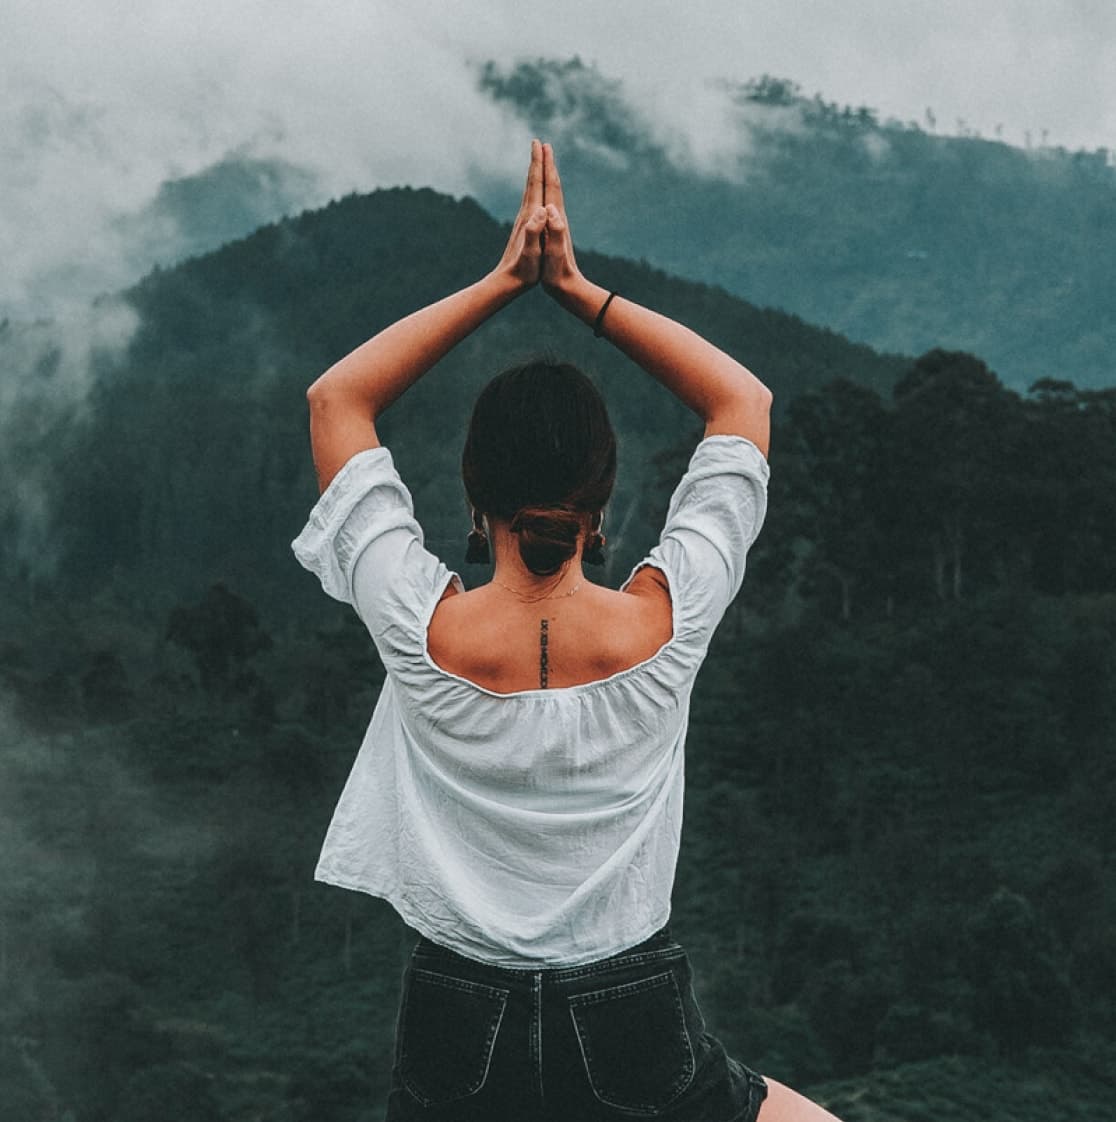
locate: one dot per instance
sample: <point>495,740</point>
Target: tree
<point>1069,460</point>
<point>835,435</point>
<point>222,633</point>
<point>1022,994</point>
<point>948,470</point>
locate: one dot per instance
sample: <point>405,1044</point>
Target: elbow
<point>324,396</point>
<point>754,399</point>
<point>760,394</point>
<point>744,412</point>
<point>327,409</point>
<point>332,395</point>
<point>322,407</point>
<point>750,393</point>
<point>318,391</point>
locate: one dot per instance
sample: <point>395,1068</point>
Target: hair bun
<point>547,537</point>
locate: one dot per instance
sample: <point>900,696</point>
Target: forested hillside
<point>897,876</point>
<point>880,229</point>
<point>187,459</point>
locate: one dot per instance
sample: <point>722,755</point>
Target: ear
<point>593,554</point>
<point>477,551</point>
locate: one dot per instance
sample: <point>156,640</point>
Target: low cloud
<point>50,847</point>
<point>47,369</point>
<point>57,357</point>
<point>90,152</point>
<point>101,107</point>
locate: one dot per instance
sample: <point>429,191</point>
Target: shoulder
<point>651,591</point>
<point>649,583</point>
<point>464,634</point>
<point>631,625</point>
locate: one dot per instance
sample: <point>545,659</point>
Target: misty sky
<point>104,101</point>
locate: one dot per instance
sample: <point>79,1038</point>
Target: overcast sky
<point>101,101</point>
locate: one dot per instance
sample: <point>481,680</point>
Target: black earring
<point>594,544</point>
<point>476,544</point>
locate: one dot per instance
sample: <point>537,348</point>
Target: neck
<point>512,574</point>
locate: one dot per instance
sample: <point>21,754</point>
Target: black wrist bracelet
<point>601,315</point>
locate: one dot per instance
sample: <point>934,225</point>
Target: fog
<point>103,106</point>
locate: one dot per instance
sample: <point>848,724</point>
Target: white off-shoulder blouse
<point>536,828</point>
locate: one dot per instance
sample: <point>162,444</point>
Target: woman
<point>518,795</point>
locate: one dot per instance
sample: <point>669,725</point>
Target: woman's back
<point>495,638</point>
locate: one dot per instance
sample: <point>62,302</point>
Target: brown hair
<point>540,452</point>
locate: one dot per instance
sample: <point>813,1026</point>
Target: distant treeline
<point>953,487</point>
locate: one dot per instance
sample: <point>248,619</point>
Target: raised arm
<point>346,400</point>
<point>722,392</point>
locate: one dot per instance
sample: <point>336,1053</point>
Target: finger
<point>555,220</point>
<point>550,177</point>
<point>536,221</point>
<point>527,181</point>
<point>556,240</point>
<point>533,189</point>
<point>532,231</point>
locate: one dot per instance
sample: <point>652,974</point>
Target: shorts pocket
<point>447,1032</point>
<point>633,1038</point>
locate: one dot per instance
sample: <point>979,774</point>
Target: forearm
<point>721,391</point>
<point>346,400</point>
<point>371,377</point>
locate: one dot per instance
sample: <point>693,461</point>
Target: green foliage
<point>148,1093</point>
<point>956,486</point>
<point>1060,1085</point>
<point>897,867</point>
<point>871,876</point>
<point>221,632</point>
<point>1022,994</point>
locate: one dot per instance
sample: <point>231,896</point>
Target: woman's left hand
<point>522,259</point>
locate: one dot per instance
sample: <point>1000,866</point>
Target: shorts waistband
<point>659,945</point>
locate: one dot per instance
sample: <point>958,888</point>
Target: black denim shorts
<point>621,1038</point>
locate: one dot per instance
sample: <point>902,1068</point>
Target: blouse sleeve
<point>715,515</point>
<point>363,543</point>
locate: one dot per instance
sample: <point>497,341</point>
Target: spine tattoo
<point>544,657</point>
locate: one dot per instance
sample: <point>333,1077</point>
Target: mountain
<point>180,456</point>
<point>881,230</point>
<point>198,213</point>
